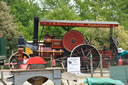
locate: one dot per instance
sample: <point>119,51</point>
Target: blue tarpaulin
<point>101,81</point>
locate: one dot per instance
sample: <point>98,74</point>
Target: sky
<point>71,2</point>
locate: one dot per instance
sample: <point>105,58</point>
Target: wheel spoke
<point>89,53</point>
<point>78,52</point>
<point>82,51</point>
<point>87,66</point>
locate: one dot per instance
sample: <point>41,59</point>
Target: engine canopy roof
<point>68,23</point>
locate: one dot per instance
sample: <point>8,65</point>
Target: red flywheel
<point>71,39</point>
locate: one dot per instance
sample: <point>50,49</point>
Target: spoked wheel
<point>14,60</point>
<point>85,52</point>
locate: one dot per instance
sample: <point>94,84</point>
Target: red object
<point>56,43</point>
<point>78,23</point>
<point>24,66</point>
<point>53,62</point>
<point>71,39</point>
<point>120,62</point>
<point>10,63</point>
<point>20,51</point>
<point>106,56</point>
<point>36,60</point>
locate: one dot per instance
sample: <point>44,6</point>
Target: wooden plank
<point>101,66</point>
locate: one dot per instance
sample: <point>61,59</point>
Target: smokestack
<point>35,36</point>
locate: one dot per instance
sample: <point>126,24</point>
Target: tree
<point>24,10</point>
<point>100,37</point>
<point>8,27</point>
<point>109,10</point>
<point>59,10</point>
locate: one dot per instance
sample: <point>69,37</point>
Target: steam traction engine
<point>73,44</point>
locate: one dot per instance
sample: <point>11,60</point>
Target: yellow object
<point>25,57</point>
<point>28,50</point>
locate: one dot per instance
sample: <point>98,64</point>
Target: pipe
<point>35,37</point>
<point>111,34</point>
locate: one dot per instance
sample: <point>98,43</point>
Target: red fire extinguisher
<point>120,62</point>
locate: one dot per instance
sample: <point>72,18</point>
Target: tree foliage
<point>59,10</point>
<point>93,10</point>
<point>8,27</point>
<point>100,37</point>
<point>122,37</point>
<point>24,10</point>
<point>109,10</point>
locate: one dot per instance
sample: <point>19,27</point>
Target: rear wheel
<point>85,52</point>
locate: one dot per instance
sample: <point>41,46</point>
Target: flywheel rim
<point>71,39</point>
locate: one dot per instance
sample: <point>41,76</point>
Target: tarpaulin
<point>102,81</point>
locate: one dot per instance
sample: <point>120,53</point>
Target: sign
<point>73,65</point>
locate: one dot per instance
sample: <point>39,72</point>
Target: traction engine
<point>73,44</point>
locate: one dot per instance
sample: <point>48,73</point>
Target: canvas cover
<point>99,81</point>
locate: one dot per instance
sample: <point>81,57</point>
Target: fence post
<point>91,64</point>
<point>101,66</point>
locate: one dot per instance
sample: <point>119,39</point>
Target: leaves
<point>24,10</point>
<point>96,10</point>
<point>8,27</point>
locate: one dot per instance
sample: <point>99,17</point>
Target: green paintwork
<point>2,47</point>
